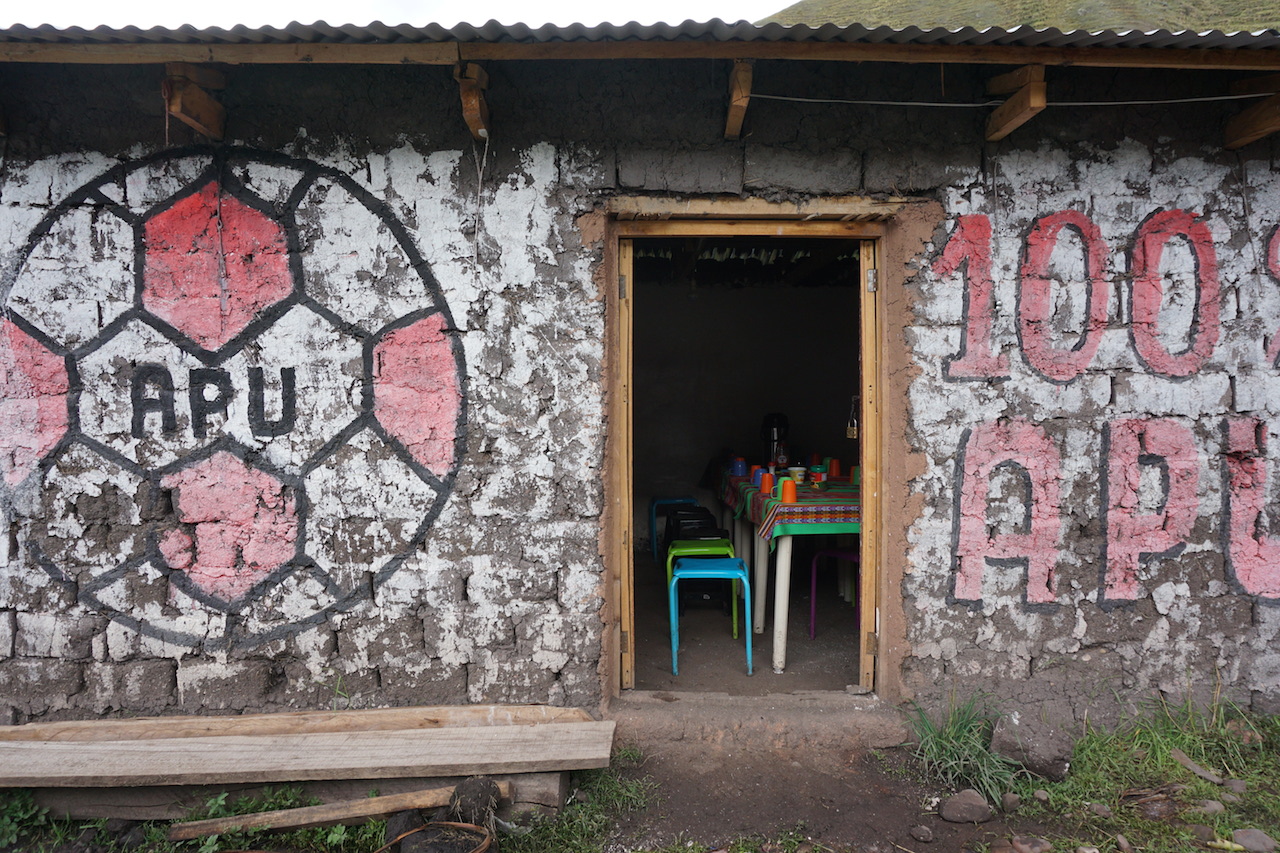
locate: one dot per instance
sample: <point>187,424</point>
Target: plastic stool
<point>703,548</point>
<point>839,554</point>
<point>654,503</point>
<point>723,568</point>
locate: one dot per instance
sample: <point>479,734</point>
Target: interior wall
<point>710,363</point>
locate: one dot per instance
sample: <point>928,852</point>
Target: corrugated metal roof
<point>709,31</point>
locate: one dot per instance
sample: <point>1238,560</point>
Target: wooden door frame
<point>719,221</point>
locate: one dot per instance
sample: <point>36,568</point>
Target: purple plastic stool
<point>839,554</point>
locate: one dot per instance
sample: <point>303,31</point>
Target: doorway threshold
<point>650,719</point>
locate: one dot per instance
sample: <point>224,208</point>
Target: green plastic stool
<point>703,548</point>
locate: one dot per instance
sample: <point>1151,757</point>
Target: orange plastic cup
<point>833,468</point>
<point>766,483</point>
<point>788,491</point>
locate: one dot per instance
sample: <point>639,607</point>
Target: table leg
<point>781,601</point>
<point>761,562</point>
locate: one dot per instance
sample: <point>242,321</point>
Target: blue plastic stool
<point>699,548</point>
<point>654,503</point>
<point>723,568</point>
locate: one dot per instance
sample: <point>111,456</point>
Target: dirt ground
<point>843,800</point>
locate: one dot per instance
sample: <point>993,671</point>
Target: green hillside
<point>1093,15</point>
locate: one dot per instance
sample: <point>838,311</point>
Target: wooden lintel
<point>1268,85</point>
<point>472,81</point>
<point>739,97</point>
<point>448,53</point>
<point>203,76</point>
<point>1004,84</point>
<point>840,208</point>
<point>195,107</point>
<point>1016,111</point>
<point>1261,119</point>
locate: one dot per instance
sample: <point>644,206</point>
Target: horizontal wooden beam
<point>1015,112</point>
<point>1004,84</point>
<point>202,75</point>
<point>301,757</point>
<point>449,53</point>
<point>748,228</point>
<point>1261,119</point>
<point>296,722</point>
<point>842,208</point>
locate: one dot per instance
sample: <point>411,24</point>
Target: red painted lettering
<point>986,448</point>
<point>1253,558</point>
<point>1035,303</point>
<point>1148,293</point>
<point>1129,446</point>
<point>970,248</point>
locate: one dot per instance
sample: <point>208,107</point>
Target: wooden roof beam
<point>448,53</point>
<point>739,97</point>
<point>472,81</point>
<point>1261,119</point>
<point>186,100</point>
<point>1028,99</point>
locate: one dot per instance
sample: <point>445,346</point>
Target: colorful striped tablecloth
<point>835,509</point>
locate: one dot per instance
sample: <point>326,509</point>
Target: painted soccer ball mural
<point>234,395</point>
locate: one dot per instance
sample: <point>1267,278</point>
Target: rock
<point>1030,844</point>
<point>1236,786</point>
<point>1084,849</point>
<point>968,806</point>
<point>1042,796</point>
<point>922,833</point>
<point>1181,757</point>
<point>804,847</point>
<point>1228,799</point>
<point>1010,802</point>
<point>1204,834</point>
<point>1209,807</point>
<point>1037,746</point>
<point>1100,809</point>
<point>1254,840</point>
<point>1123,845</point>
<point>1000,845</point>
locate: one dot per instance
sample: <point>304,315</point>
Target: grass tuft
<point>957,752</point>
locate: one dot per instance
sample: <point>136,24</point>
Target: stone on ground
<point>1030,844</point>
<point>1010,802</point>
<point>1203,834</point>
<point>1209,807</point>
<point>1041,795</point>
<point>1038,746</point>
<point>1100,809</point>
<point>968,806</point>
<point>922,833</point>
<point>1236,786</point>
<point>1254,840</point>
<point>1123,845</point>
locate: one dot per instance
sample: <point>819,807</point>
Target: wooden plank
<point>530,792</point>
<point>448,53</point>
<point>833,207</point>
<point>1261,119</point>
<point>1015,112</point>
<point>1004,84</point>
<point>349,812</point>
<point>1268,85</point>
<point>747,228</point>
<point>298,722</point>
<point>195,107</point>
<point>739,98</point>
<point>201,75</point>
<point>297,757</point>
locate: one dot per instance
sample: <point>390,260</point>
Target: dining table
<point>762,522</point>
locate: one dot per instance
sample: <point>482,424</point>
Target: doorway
<point>726,323</point>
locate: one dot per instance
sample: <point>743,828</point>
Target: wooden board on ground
<point>349,812</point>
<point>530,793</point>
<point>289,757</point>
<point>299,722</point>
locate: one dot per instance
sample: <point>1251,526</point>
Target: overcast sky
<point>259,13</point>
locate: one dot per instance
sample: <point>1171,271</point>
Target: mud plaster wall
<point>380,568</point>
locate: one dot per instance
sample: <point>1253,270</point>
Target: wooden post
<point>472,81</point>
<point>739,97</point>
